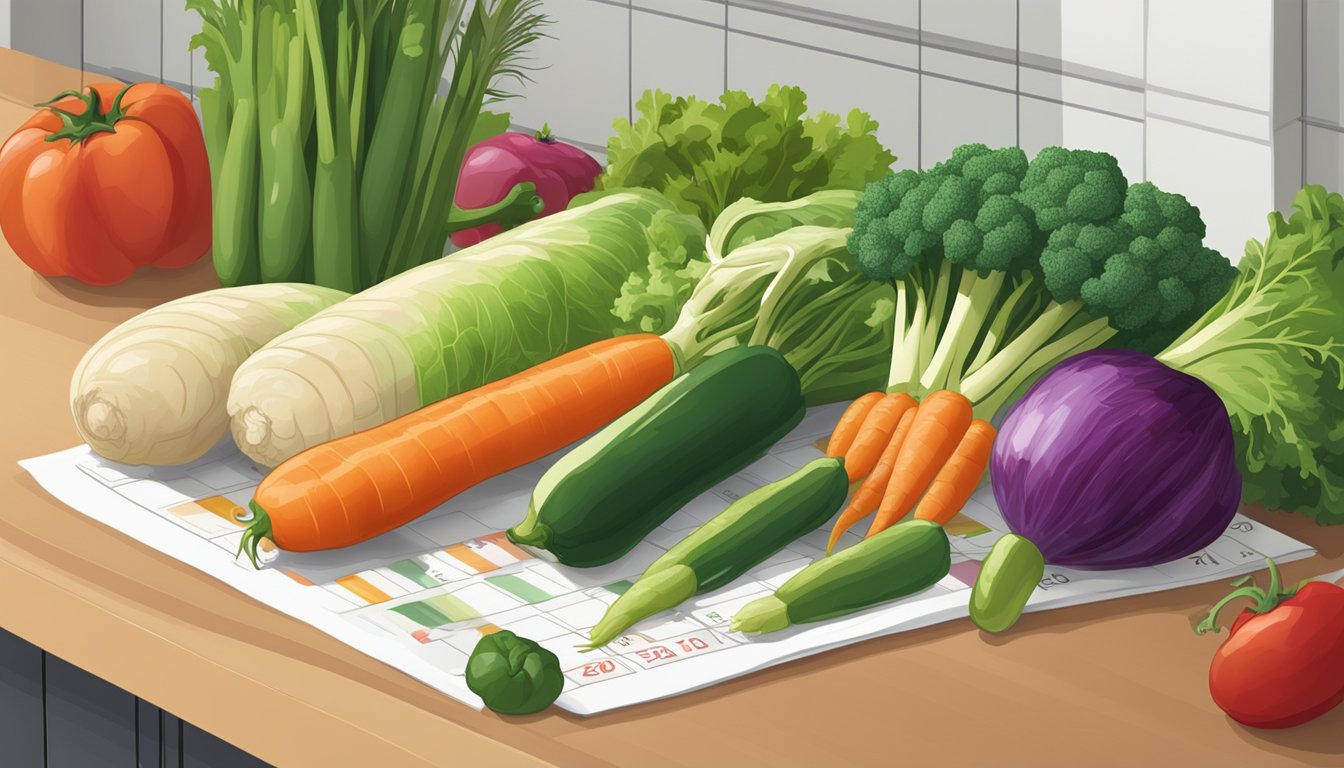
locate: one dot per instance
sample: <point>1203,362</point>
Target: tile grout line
<point>1302,108</point>
<point>1017,72</point>
<point>1145,91</point>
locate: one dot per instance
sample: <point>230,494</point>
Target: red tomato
<point>492,167</point>
<point>1283,663</point>
<point>106,181</point>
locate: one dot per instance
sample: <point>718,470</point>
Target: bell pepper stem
<point>521,204</point>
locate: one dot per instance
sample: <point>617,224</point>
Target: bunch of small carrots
<point>927,455</point>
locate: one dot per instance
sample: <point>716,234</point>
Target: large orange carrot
<point>870,492</point>
<point>848,426</point>
<point>957,480</point>
<point>943,417</point>
<point>353,488</point>
<point>878,427</point>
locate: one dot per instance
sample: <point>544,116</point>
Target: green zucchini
<point>606,495</point>
<point>750,530</point>
<point>1008,576</point>
<point>904,559</point>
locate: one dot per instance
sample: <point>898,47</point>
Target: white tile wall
<point>900,13</point>
<point>1104,36</point>
<point>116,33</point>
<point>1325,52</point>
<point>658,54</point>
<point>1218,49</point>
<point>585,83</point>
<point>954,113</point>
<point>179,25</point>
<point>1325,157</point>
<point>1288,152</point>
<point>1230,179</point>
<point>1047,123</point>
<point>988,22</point>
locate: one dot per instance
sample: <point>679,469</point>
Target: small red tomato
<point>1283,662</point>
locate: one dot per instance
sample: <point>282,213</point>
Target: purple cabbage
<point>1114,460</point>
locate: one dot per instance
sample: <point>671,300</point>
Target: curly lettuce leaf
<point>706,155</point>
<point>652,296</point>
<point>1273,350</point>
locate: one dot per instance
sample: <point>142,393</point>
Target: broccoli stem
<point>998,332</point>
<point>1011,370</point>
<point>911,310</point>
<point>974,297</point>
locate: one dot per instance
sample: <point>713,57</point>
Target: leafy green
<point>795,290</point>
<point>706,155</point>
<point>652,296</point>
<point>514,675</point>
<point>1273,350</point>
<point>334,157</point>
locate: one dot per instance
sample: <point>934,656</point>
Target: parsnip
<point>153,390</point>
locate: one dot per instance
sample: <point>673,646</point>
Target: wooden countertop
<point>1117,683</point>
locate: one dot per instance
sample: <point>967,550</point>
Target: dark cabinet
<point>55,715</point>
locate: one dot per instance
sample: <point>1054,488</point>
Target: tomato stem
<point>1265,600</point>
<point>78,126</point>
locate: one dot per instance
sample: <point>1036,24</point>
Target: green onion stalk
<point>334,155</point>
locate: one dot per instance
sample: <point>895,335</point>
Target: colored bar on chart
<point>965,571</point>
<point>363,589</point>
<point>522,588</point>
<point>422,613</point>
<point>619,587</point>
<point>211,515</point>
<point>501,539</point>
<point>468,557</point>
<point>415,571</point>
<point>453,607</point>
<point>487,629</point>
<point>299,577</point>
<point>965,526</point>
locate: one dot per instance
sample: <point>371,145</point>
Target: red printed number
<point>692,644</point>
<point>656,653</point>
<point>595,668</point>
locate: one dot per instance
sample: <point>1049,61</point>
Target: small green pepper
<point>514,675</point>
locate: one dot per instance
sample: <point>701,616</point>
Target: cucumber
<point>1008,576</point>
<point>904,559</point>
<point>750,530</point>
<point>607,494</point>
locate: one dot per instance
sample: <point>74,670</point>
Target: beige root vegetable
<point>153,390</point>
<point>489,311</point>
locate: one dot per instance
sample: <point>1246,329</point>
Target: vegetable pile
<point>1003,267</point>
<point>333,158</point>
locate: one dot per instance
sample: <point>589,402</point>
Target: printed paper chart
<point>419,598</point>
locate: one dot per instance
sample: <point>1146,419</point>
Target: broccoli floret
<point>1003,267</point>
<point>1063,186</point>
